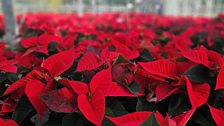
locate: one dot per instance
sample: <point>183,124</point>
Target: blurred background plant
<point>166,7</point>
<point>195,8</point>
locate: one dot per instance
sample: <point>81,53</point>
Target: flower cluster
<point>113,69</point>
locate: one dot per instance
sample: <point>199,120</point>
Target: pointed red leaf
<point>164,68</point>
<point>89,61</point>
<point>31,50</point>
<point>33,44</point>
<point>168,121</point>
<point>27,61</point>
<point>33,75</point>
<point>61,100</point>
<point>9,107</point>
<point>164,90</point>
<point>198,56</point>
<point>217,115</point>
<point>45,39</point>
<point>8,66</point>
<point>146,74</point>
<point>60,62</point>
<point>215,59</point>
<point>29,42</point>
<point>220,79</point>
<point>135,117</point>
<point>103,81</point>
<point>107,55</point>
<point>8,122</point>
<point>100,79</point>
<point>131,124</point>
<point>92,108</point>
<point>68,41</point>
<point>124,50</point>
<point>182,119</point>
<point>33,90</point>
<point>198,93</point>
<point>76,86</point>
<point>182,42</point>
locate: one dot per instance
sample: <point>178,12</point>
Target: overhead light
<point>130,5</point>
<point>138,1</point>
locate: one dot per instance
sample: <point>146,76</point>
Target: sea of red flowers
<point>113,69</point>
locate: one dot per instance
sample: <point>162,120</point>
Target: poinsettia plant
<point>112,70</point>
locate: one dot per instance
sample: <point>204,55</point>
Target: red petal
<point>217,115</point>
<point>100,79</point>
<point>107,55</point>
<point>103,81</point>
<point>164,68</point>
<point>45,39</point>
<point>61,100</point>
<point>182,119</point>
<point>8,66</point>
<point>131,124</point>
<point>34,45</point>
<point>30,50</point>
<point>76,86</point>
<point>29,42</point>
<point>215,58</point>
<point>59,63</point>
<point>23,81</point>
<point>93,109</point>
<point>182,42</point>
<point>198,93</point>
<point>125,51</point>
<point>89,62</point>
<point>27,61</point>
<point>9,107</point>
<point>43,49</point>
<point>33,89</point>
<point>164,90</point>
<point>198,56</point>
<point>135,117</point>
<point>8,122</point>
<point>168,121</point>
<point>146,74</point>
<point>220,79</point>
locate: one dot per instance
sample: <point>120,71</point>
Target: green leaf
<point>120,59</point>
<point>116,108</point>
<point>71,74</point>
<point>134,88</point>
<point>150,121</point>
<point>22,110</point>
<point>202,117</point>
<point>52,48</point>
<point>2,77</point>
<point>178,104</point>
<point>201,74</point>
<point>181,59</point>
<point>145,54</point>
<point>109,112</point>
<point>217,98</point>
<point>80,38</point>
<point>107,122</point>
<point>74,119</point>
<point>12,77</point>
<point>143,105</point>
<point>40,120</point>
<point>55,119</point>
<point>19,48</point>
